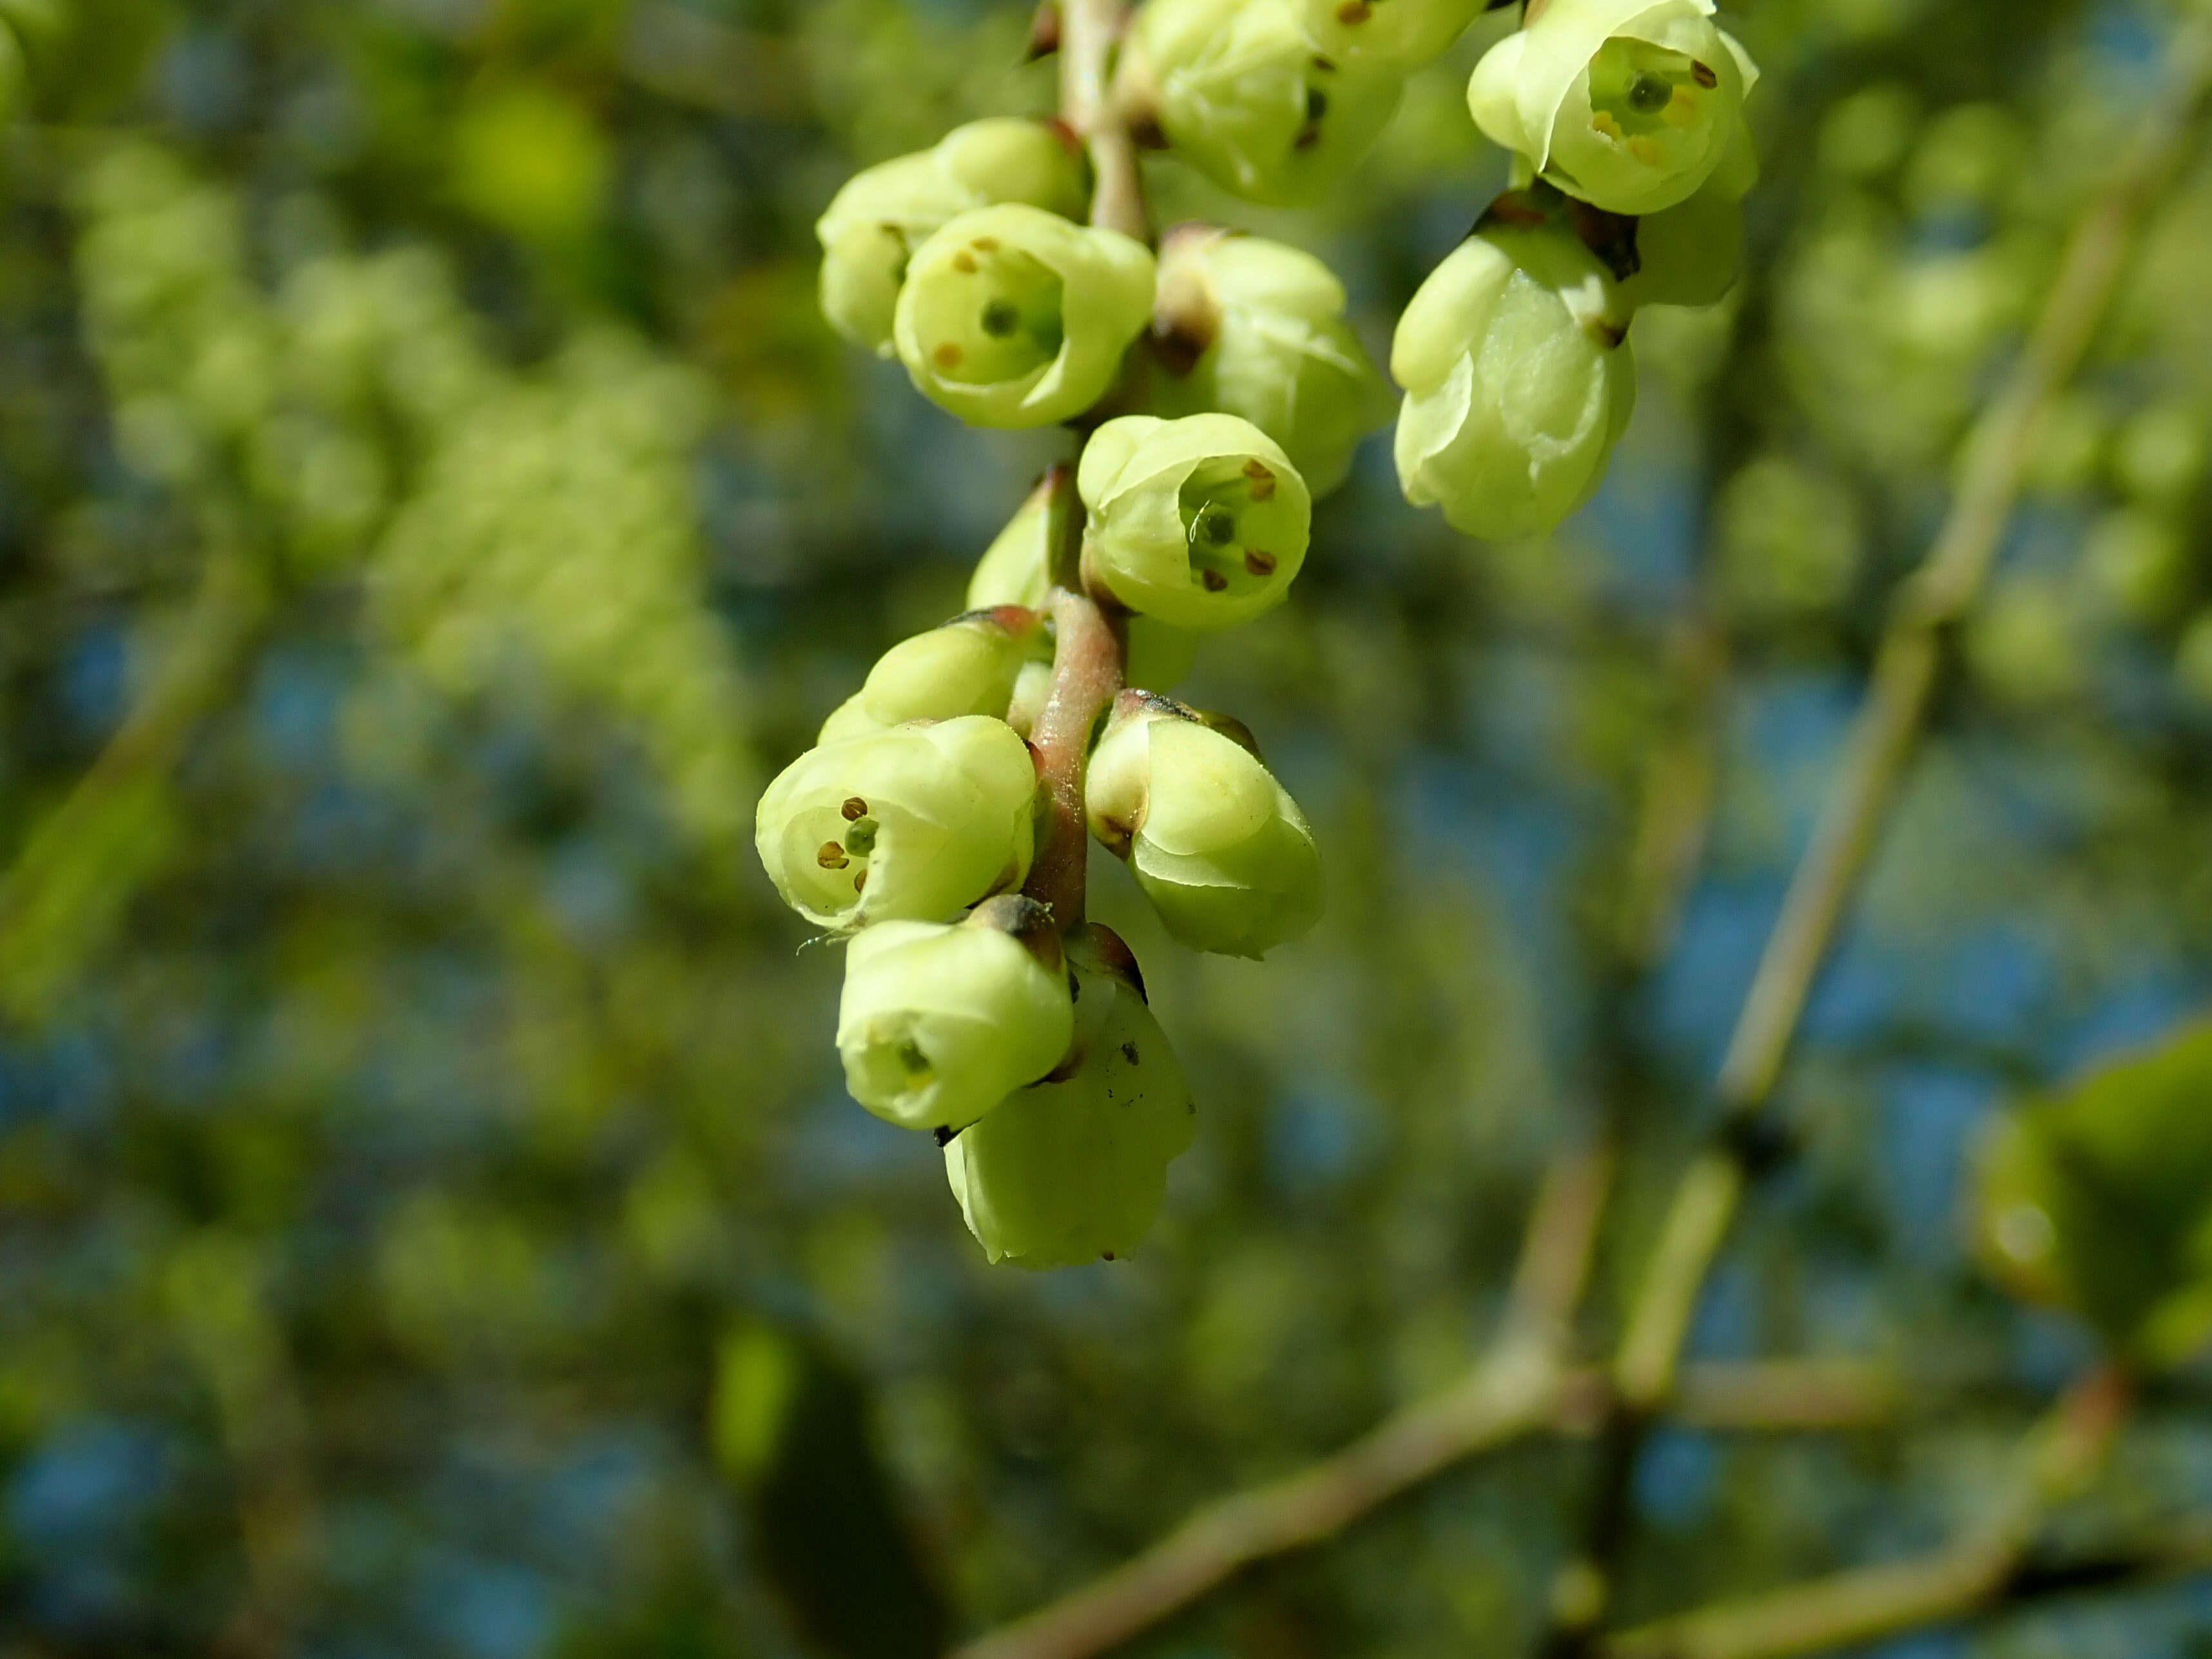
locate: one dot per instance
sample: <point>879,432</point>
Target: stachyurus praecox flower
<point>1069,1170</point>
<point>1218,847</point>
<point>1256,329</point>
<point>1014,317</point>
<point>1518,380</point>
<point>970,666</point>
<point>940,1023</point>
<point>1628,104</point>
<point>912,824</point>
<point>1243,95</point>
<point>1201,522</point>
<point>873,225</point>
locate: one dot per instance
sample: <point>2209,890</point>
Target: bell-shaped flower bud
<point>1625,104</point>
<point>1400,34</point>
<point>1201,522</point>
<point>1014,317</point>
<point>969,666</point>
<point>1518,382</point>
<point>1016,570</point>
<point>916,823</point>
<point>1256,329</point>
<point>1219,846</point>
<point>938,1023</point>
<point>1243,96</point>
<point>1073,1170</point>
<point>872,225</point>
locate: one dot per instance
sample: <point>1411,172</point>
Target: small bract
<point>1201,522</point>
<point>1014,317</point>
<point>1219,847</point>
<point>1628,104</point>
<point>1067,1172</point>
<point>1245,98</point>
<point>969,666</point>
<point>1518,382</point>
<point>915,822</point>
<point>938,1023</point>
<point>1267,322</point>
<point>1400,34</point>
<point>873,224</point>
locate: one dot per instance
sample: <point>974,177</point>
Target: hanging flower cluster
<point>1215,386</point>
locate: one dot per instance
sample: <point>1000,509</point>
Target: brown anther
<point>831,856</point>
<point>1263,481</point>
<point>861,881</point>
<point>1703,74</point>
<point>965,263</point>
<point>985,245</point>
<point>1258,563</point>
<point>1213,581</point>
<point>1309,136</point>
<point>853,810</point>
<point>1326,66</point>
<point>1354,11</point>
<point>947,355</point>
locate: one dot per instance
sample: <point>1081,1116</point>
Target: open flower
<point>873,224</point>
<point>1400,34</point>
<point>938,1023</point>
<point>969,666</point>
<point>1219,847</point>
<point>1201,522</point>
<point>1013,317</point>
<point>1261,328</point>
<point>1244,97</point>
<point>915,822</point>
<point>1626,104</point>
<point>1518,382</point>
<point>1071,1170</point>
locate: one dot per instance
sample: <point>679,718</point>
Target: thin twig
<point>1993,1569</point>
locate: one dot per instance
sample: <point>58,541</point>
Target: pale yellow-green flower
<point>1400,34</point>
<point>1201,522</point>
<point>1243,96</point>
<point>1014,317</point>
<point>969,666</point>
<point>915,822</point>
<point>1629,105</point>
<point>1518,382</point>
<point>1218,847</point>
<point>938,1023</point>
<point>1267,324</point>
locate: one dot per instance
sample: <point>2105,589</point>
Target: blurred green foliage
<point>430,1219</point>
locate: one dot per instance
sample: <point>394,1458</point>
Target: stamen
<point>1703,74</point>
<point>1213,580</point>
<point>985,244</point>
<point>1259,563</point>
<point>831,856</point>
<point>965,263</point>
<point>853,810</point>
<point>947,355</point>
<point>859,881</point>
<point>1354,11</point>
<point>1263,481</point>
